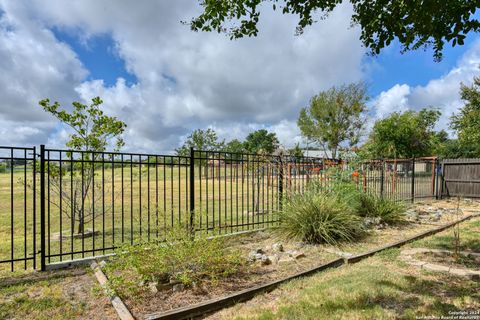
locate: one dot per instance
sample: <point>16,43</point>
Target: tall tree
<point>92,131</point>
<point>261,141</point>
<point>404,134</point>
<point>335,117</point>
<point>204,140</point>
<point>467,122</point>
<point>414,24</point>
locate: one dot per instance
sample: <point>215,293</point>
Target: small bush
<point>179,259</point>
<point>348,193</point>
<point>388,211</point>
<point>318,217</point>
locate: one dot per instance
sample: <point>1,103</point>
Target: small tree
<point>335,117</point>
<point>467,122</point>
<point>296,151</point>
<point>93,131</point>
<point>261,141</point>
<point>204,140</point>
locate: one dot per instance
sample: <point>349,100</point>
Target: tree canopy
<point>335,116</point>
<point>204,140</point>
<point>404,134</point>
<point>467,122</point>
<point>261,141</point>
<point>414,24</point>
<point>93,130</point>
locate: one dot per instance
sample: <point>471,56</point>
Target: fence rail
<point>92,202</point>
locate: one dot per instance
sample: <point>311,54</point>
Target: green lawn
<point>380,287</point>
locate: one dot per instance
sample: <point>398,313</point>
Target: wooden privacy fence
<point>461,177</point>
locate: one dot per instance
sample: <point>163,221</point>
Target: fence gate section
<point>18,202</point>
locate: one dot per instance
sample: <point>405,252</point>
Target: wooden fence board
<point>461,177</point>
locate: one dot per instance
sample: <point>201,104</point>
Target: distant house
<point>317,153</point>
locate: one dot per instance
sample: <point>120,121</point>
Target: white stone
<point>277,247</point>
<point>178,287</point>
<point>152,286</point>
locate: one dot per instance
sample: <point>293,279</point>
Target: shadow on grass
<point>446,242</point>
<point>37,276</point>
<point>434,297</point>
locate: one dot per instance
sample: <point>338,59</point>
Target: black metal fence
<point>62,205</point>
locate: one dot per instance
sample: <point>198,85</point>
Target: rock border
<point>407,256</point>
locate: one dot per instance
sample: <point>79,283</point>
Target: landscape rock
<point>277,247</point>
<point>152,286</point>
<point>102,263</point>
<point>371,222</point>
<point>178,287</point>
<point>274,258</point>
<point>254,256</point>
<point>296,254</point>
<point>264,260</point>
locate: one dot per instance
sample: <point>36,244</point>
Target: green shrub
<point>348,193</point>
<point>179,259</point>
<point>319,217</point>
<point>388,211</point>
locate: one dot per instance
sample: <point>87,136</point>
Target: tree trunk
<point>81,225</point>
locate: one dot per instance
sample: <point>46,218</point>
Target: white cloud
<point>33,65</point>
<point>442,93</point>
<point>186,80</point>
<point>395,99</point>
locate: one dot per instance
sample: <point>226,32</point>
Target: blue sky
<point>98,55</point>
<point>164,80</point>
<point>415,68</point>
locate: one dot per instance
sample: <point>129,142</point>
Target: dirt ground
<point>64,294</point>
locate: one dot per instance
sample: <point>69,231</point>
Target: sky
<point>164,81</point>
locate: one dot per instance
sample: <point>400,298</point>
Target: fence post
<point>443,179</point>
<point>192,189</point>
<point>280,184</point>
<point>382,178</point>
<point>413,179</point>
<point>437,172</point>
<point>42,208</point>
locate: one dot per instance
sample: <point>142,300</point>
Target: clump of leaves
<point>389,211</point>
<point>319,217</point>
<point>181,258</point>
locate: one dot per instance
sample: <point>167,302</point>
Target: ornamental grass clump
<point>386,210</point>
<point>318,217</point>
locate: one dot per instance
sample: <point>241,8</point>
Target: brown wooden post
<point>434,162</point>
